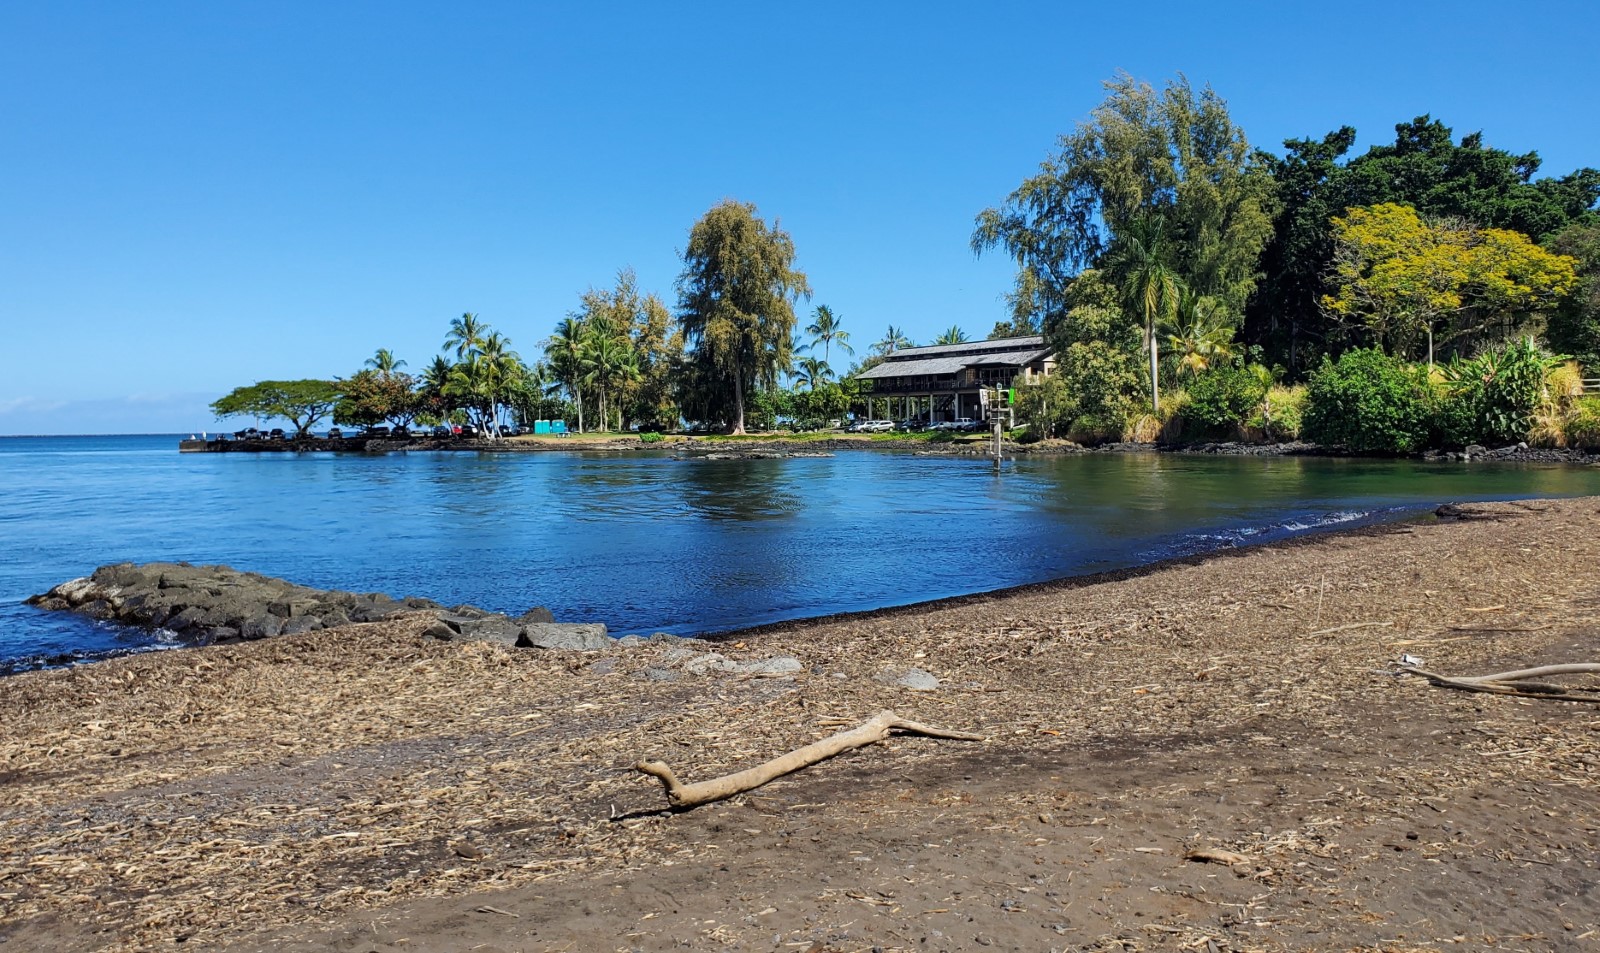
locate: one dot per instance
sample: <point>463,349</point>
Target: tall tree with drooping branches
<point>736,299</point>
<point>1174,154</point>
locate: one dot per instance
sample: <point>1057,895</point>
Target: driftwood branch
<point>875,729</point>
<point>1518,682</point>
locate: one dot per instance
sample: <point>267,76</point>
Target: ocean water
<point>645,542</point>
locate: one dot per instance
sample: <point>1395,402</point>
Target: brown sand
<point>367,790</point>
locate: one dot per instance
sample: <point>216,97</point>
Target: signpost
<point>996,406</point>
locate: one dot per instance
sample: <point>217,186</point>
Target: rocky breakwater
<point>203,605</point>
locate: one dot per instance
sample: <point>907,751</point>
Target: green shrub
<point>1094,429</point>
<point>1493,398</point>
<point>1223,398</point>
<point>1280,415</point>
<point>1368,402</point>
<point>650,438</point>
<point>1583,425</point>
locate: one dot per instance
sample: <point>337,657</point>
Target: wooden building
<point>942,381</point>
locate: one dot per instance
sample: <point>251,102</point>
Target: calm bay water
<point>647,543</point>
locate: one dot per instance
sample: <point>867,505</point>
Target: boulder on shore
<point>209,604</point>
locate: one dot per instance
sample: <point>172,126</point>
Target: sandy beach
<point>367,789</point>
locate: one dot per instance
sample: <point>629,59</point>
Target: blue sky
<point>200,195</point>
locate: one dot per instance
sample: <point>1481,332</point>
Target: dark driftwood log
<point>875,729</point>
<point>1516,682</point>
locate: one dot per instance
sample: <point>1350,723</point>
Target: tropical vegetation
<point>1432,291</point>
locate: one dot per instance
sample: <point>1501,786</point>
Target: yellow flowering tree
<point>1410,281</point>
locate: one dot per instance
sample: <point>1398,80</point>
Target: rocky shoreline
<point>779,447</point>
<point>218,605</point>
<point>211,605</point>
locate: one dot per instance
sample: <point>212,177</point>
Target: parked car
<point>248,433</point>
<point>440,430</point>
<point>910,424</point>
<point>276,433</point>
<point>382,430</point>
<point>967,423</point>
<point>334,433</point>
<point>469,430</point>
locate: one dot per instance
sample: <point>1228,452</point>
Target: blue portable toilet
<point>541,427</point>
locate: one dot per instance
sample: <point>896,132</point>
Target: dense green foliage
<point>736,305</point>
<point>1190,286</point>
<point>302,402</point>
<point>1575,325</point>
<point>1221,399</point>
<point>1424,168</point>
<point>1368,402</point>
<point>1492,398</point>
<point>373,396</point>
<point>1583,427</point>
<point>1174,155</point>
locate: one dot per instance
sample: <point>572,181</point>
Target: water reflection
<point>645,542</point>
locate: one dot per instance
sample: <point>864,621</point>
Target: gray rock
<point>262,626</point>
<point>914,679</point>
<point>632,641</point>
<point>98,609</point>
<point>708,662</point>
<point>660,674</point>
<point>187,619</point>
<point>442,631</point>
<point>77,591</point>
<point>301,623</point>
<point>604,667</point>
<point>572,636</point>
<point>334,617</point>
<point>492,629</point>
<point>536,615</point>
<point>456,620</point>
<point>780,665</point>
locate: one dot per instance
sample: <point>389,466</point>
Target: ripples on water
<point>647,543</point>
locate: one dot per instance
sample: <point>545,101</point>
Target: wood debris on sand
<point>298,792</point>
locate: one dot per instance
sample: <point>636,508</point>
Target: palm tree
<point>466,335</point>
<point>435,384</point>
<point>1149,286</point>
<point>565,350</point>
<point>824,328</point>
<point>605,356</point>
<point>812,372</point>
<point>952,335</point>
<point>500,367</point>
<point>384,363</point>
<point>893,339</point>
<point>1198,336</point>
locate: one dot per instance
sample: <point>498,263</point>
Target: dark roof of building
<point>1028,343</point>
<point>951,358</point>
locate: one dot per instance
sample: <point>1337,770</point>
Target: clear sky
<point>198,195</point>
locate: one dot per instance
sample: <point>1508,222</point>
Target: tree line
<point>1171,265</point>
<point>1155,248</point>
